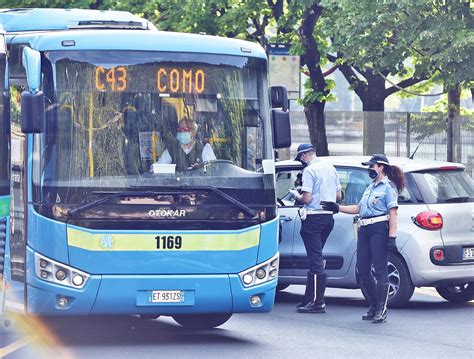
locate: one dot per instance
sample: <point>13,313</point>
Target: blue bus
<point>136,169</point>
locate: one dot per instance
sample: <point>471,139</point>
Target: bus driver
<point>185,151</point>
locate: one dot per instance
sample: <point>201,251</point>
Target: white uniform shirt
<point>322,181</point>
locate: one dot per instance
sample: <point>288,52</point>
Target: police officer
<point>320,183</point>
<point>377,230</point>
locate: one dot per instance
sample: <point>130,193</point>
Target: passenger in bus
<point>185,150</point>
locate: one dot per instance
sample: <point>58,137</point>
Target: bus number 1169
<point>168,242</point>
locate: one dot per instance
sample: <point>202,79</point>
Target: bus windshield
<point>113,116</point>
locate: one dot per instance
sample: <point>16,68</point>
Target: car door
<point>288,213</point>
<point>340,248</point>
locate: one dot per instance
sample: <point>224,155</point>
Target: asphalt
<point>429,327</point>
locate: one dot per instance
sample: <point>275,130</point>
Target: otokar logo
<point>166,213</point>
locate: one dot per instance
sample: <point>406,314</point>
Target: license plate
<point>468,253</point>
<point>165,296</point>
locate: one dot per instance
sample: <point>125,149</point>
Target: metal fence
<point>405,133</point>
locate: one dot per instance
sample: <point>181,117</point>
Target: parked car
<point>435,236</point>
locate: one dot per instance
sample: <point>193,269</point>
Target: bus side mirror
<point>31,60</point>
<point>279,97</point>
<point>32,112</point>
<point>281,128</point>
<point>32,101</point>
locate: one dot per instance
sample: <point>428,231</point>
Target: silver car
<point>435,237</point>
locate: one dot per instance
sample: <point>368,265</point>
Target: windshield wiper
<point>223,195</point>
<point>458,199</point>
<point>112,195</point>
<point>174,190</point>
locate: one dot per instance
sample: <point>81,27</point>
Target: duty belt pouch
<point>356,226</point>
<point>302,213</point>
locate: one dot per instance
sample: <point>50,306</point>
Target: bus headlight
<point>58,273</point>
<point>260,273</point>
<point>61,274</point>
<point>78,280</point>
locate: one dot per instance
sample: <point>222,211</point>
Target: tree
<point>318,89</point>
<point>411,39</point>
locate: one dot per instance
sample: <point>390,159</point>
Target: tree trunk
<point>317,129</point>
<point>314,111</point>
<point>373,107</point>
<point>453,126</point>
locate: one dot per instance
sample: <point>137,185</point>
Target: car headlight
<point>58,273</point>
<point>260,273</point>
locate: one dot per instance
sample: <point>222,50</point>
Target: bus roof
<point>67,35</point>
<point>21,20</point>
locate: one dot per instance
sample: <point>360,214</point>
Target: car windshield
<point>120,118</point>
<point>445,186</point>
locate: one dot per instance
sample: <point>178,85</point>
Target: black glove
<point>329,206</point>
<point>391,244</point>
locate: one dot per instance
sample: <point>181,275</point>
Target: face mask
<point>184,137</point>
<point>372,173</point>
<point>304,163</point>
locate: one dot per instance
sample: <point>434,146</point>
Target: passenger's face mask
<point>372,173</point>
<point>184,137</point>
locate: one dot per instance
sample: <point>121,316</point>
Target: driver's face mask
<point>184,137</point>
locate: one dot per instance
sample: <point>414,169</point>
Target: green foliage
<point>424,125</point>
<point>312,96</point>
<point>441,105</point>
<point>383,34</point>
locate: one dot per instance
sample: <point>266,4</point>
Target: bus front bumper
<point>132,294</point>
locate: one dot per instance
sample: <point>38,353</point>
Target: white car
<point>435,237</point>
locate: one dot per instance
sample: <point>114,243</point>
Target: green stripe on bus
<point>148,242</point>
<point>4,206</point>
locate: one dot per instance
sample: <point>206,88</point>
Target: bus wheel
<point>201,321</point>
<point>149,316</point>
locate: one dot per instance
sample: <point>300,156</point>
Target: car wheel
<point>281,287</point>
<point>400,287</point>
<point>460,293</point>
<point>201,321</point>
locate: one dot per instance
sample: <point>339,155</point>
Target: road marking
<point>13,347</point>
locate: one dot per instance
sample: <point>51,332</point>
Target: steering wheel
<point>280,202</point>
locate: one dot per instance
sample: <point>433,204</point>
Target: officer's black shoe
<point>382,297</point>
<point>380,315</point>
<point>313,307</point>
<point>370,314</point>
<point>317,304</point>
<point>309,291</point>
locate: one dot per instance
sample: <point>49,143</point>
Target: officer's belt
<point>318,211</point>
<point>366,221</point>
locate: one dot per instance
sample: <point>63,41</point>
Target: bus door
<point>4,168</point>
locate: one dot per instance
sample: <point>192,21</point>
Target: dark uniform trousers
<point>372,249</point>
<point>315,230</point>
